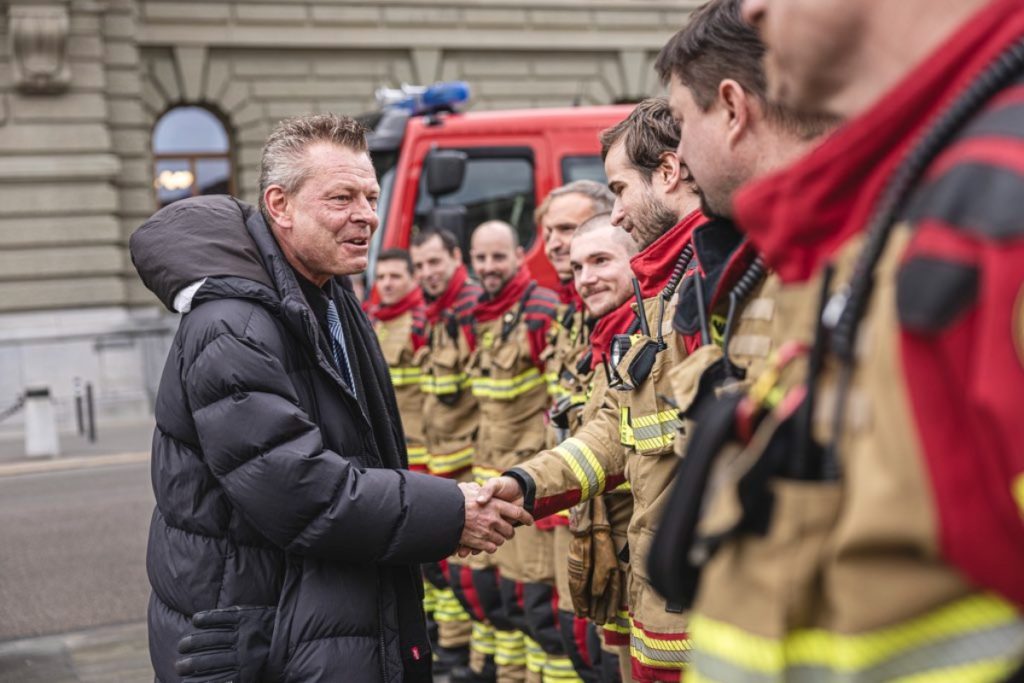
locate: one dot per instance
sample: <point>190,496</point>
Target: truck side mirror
<point>445,170</point>
<point>450,218</point>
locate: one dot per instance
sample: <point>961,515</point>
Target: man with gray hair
<point>287,530</point>
<point>562,211</point>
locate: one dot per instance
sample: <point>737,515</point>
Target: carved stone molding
<point>38,39</point>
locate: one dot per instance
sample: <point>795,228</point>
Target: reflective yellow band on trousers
<point>403,377</point>
<point>507,389</point>
<point>448,608</point>
<point>559,670</point>
<point>440,385</point>
<point>534,655</point>
<point>584,465</point>
<point>482,638</point>
<point>655,652</point>
<point>619,623</point>
<point>976,639</point>
<point>446,463</point>
<point>510,648</point>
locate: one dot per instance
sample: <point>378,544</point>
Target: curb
<point>81,462</point>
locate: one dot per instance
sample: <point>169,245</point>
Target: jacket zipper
<point>380,631</point>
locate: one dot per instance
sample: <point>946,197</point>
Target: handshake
<point>492,513</point>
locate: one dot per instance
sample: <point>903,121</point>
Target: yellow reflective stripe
<point>620,623</point>
<point>584,465</point>
<point>510,648</point>
<point>559,669</point>
<point>446,463</point>
<point>482,474</point>
<point>665,416</point>
<point>662,654</point>
<point>562,513</point>
<point>417,455</point>
<point>625,431</point>
<point>482,639</point>
<point>655,431</point>
<point>507,389</point>
<point>403,377</point>
<point>534,655</point>
<point>970,617</point>
<point>623,487</point>
<point>443,384</point>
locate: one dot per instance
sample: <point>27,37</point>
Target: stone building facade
<point>83,82</point>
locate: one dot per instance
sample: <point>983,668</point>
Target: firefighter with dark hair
<point>857,514</point>
<point>449,428</point>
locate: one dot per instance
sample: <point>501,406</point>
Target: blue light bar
<point>417,99</point>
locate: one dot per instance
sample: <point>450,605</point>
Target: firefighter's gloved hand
<point>228,645</point>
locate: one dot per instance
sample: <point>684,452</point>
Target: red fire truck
<point>456,170</point>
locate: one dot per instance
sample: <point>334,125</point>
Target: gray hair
<point>283,160</point>
<point>600,197</point>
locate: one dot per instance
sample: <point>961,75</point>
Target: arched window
<point>192,155</point>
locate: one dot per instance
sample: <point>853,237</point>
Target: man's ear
<point>278,206</point>
<point>735,105</point>
<point>669,172</point>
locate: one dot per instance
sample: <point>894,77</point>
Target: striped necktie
<point>338,344</point>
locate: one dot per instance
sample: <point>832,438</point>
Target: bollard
<point>79,418</point>
<point>40,424</point>
<point>90,413</point>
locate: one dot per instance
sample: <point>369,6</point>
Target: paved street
<point>74,549</point>
<point>73,586</point>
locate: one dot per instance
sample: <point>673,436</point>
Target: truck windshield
<point>499,185</point>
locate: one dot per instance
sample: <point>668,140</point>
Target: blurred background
<point>110,109</point>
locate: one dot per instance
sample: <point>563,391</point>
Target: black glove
<point>229,645</point>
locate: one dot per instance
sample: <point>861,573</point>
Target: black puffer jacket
<point>274,485</point>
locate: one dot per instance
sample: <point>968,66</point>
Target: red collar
<point>447,299</point>
<point>412,300</point>
<point>653,266</point>
<point>491,309</point>
<point>567,294</point>
<point>800,216</point>
<point>616,322</point>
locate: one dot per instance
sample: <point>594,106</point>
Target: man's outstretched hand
<point>489,523</point>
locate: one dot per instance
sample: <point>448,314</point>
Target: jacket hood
<point>194,239</point>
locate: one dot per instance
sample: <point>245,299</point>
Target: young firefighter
<point>558,217</point>
<point>600,256</point>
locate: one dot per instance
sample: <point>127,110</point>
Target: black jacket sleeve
<point>268,455</point>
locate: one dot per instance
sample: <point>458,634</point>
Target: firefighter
<point>558,217</point>
<point>400,323</point>
<point>877,533</point>
<point>449,427</point>
<point>633,433</point>
<point>600,256</point>
<point>511,322</point>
